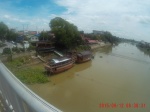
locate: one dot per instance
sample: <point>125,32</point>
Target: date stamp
<point>122,105</point>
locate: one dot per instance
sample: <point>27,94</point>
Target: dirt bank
<point>102,44</point>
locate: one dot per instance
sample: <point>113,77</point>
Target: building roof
<point>59,60</point>
<point>32,32</point>
<point>92,41</point>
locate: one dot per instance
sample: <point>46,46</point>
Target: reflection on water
<point>118,75</point>
<point>58,78</point>
<point>146,51</point>
<point>106,50</point>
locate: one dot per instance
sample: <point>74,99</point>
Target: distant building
<point>32,32</point>
<point>20,38</point>
<point>34,38</point>
<point>26,44</point>
<point>27,32</point>
<point>98,32</point>
<point>20,32</point>
<point>90,41</point>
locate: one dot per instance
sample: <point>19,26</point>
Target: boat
<point>57,65</point>
<point>83,56</point>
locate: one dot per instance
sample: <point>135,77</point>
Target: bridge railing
<point>18,97</point>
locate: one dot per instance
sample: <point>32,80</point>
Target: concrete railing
<point>18,97</point>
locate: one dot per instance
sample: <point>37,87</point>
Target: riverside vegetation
<point>67,37</point>
<point>27,74</point>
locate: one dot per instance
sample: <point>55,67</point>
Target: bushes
<point>14,49</point>
<point>17,50</point>
<point>31,48</point>
<point>6,51</point>
<point>83,47</point>
<point>31,75</point>
<point>27,74</point>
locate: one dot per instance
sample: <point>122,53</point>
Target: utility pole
<point>23,29</point>
<point>36,30</point>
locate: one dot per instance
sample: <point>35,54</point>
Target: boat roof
<point>59,60</point>
<point>84,53</point>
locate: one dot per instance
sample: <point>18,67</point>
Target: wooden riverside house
<point>44,47</point>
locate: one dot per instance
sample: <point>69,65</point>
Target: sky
<point>123,18</point>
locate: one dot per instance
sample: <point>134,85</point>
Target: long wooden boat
<point>58,65</point>
<point>83,56</point>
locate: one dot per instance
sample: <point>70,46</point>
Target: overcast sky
<point>123,18</point>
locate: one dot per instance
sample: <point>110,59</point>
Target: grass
<point>82,48</point>
<point>30,74</point>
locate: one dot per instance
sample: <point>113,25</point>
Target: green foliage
<point>31,75</point>
<point>107,37</point>
<point>82,48</point>
<point>44,36</point>
<point>31,48</point>
<point>66,34</point>
<point>18,62</point>
<point>11,35</point>
<point>92,36</point>
<point>6,33</point>
<point>15,49</point>
<point>6,51</point>
<point>3,31</point>
<point>14,63</point>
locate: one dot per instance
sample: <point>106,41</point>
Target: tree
<point>108,37</point>
<point>3,31</point>
<point>66,34</point>
<point>46,36</point>
<point>11,35</point>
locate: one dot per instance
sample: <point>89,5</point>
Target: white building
<point>26,44</point>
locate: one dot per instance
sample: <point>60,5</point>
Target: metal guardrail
<point>18,97</point>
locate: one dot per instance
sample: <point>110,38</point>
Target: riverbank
<point>99,45</point>
<point>29,69</point>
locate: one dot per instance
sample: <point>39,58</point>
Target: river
<point>116,80</point>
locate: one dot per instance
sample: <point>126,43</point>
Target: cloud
<point>124,18</point>
<point>17,17</point>
<point>6,16</point>
<point>144,20</point>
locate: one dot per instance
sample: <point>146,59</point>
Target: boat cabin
<point>59,64</point>
<point>83,56</point>
<point>59,61</point>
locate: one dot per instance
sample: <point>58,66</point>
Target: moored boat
<point>58,65</point>
<point>83,56</point>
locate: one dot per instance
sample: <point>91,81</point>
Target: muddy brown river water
<point>116,80</point>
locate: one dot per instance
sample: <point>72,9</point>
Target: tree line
<point>66,34</point>
<point>105,37</point>
<point>6,33</point>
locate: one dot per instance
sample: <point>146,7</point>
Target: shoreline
<point>99,45</point>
